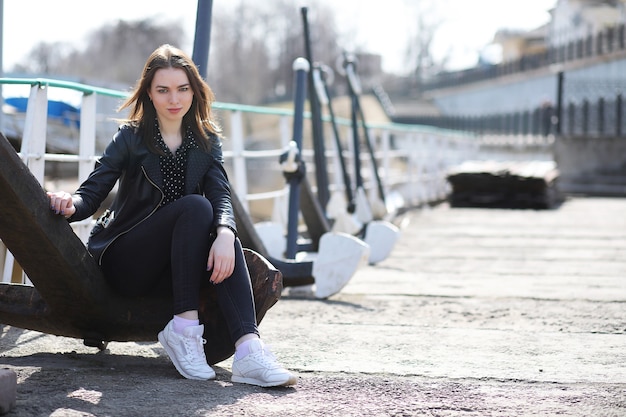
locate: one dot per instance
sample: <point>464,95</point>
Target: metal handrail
<point>416,169</point>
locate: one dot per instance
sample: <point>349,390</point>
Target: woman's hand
<point>61,203</point>
<point>222,255</point>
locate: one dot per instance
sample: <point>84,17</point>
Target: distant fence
<point>537,122</point>
<point>608,41</point>
<point>601,118</point>
<point>590,107</point>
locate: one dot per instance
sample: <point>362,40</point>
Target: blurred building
<point>584,38</point>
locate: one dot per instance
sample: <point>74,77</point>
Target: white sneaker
<point>187,351</point>
<point>260,368</point>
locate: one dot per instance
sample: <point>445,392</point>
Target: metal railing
<point>587,118</point>
<point>412,160</point>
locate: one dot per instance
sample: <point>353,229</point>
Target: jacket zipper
<point>140,221</point>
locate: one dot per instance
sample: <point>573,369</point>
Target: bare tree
<point>255,44</point>
<point>238,64</point>
<point>419,57</point>
<point>45,58</point>
<point>115,53</point>
<point>253,48</point>
<point>118,51</point>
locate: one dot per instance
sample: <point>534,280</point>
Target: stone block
<point>8,390</point>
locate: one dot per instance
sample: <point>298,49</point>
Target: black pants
<point>168,252</point>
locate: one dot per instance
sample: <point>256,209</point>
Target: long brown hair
<point>199,117</point>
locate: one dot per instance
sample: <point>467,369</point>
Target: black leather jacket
<point>140,187</point>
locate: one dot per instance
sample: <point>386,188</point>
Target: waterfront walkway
<point>477,312</point>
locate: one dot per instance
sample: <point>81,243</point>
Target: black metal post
<point>319,147</point>
<point>202,37</point>
<point>618,118</point>
<point>559,103</point>
<point>301,68</point>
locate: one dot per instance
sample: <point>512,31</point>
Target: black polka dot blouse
<point>173,166</point>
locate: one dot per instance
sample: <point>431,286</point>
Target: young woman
<point>172,224</point>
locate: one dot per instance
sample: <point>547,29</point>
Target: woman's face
<point>171,94</point>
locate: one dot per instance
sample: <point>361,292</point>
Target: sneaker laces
<point>194,347</point>
<point>266,357</point>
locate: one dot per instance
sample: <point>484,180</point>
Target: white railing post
<point>416,164</point>
<point>33,147</point>
<point>87,144</point>
<point>351,163</point>
<point>33,150</point>
<point>386,167</point>
<point>281,203</point>
<point>86,152</point>
<point>285,131</point>
<point>430,162</point>
<point>239,160</point>
<point>445,155</point>
<point>6,263</point>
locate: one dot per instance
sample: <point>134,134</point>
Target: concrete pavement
<point>521,297</point>
<point>477,312</point>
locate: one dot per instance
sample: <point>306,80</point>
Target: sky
<point>465,26</point>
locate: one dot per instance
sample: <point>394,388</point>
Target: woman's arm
<point>92,192</point>
<point>216,188</point>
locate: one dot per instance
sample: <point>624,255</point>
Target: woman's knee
<point>196,202</point>
<point>193,212</point>
<point>197,205</point>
